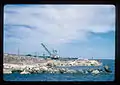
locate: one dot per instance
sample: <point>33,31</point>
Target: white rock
<point>7,71</point>
<point>36,68</point>
<point>24,72</point>
<point>44,68</point>
<point>95,72</point>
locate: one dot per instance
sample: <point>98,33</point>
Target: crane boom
<point>46,49</point>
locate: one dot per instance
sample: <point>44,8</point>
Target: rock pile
<point>28,69</point>
<point>21,60</point>
<point>28,65</point>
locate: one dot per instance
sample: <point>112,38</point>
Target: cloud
<point>56,24</point>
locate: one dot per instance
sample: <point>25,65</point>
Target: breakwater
<point>29,65</point>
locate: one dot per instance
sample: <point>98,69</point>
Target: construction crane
<point>53,56</point>
<point>46,49</point>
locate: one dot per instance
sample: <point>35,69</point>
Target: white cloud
<point>58,24</point>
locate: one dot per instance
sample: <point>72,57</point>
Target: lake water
<point>65,77</point>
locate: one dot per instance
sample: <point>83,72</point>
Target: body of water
<point>66,76</point>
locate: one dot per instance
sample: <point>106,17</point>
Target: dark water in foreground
<point>65,77</point>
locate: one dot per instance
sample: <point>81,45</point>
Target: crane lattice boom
<point>46,49</point>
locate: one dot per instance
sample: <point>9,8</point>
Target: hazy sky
<point>73,30</point>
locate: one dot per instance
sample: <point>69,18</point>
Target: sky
<point>82,31</point>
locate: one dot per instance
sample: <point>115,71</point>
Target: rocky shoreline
<point>29,65</point>
<point>48,68</point>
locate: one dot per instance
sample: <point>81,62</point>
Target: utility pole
<point>92,58</point>
<point>18,52</point>
<point>35,54</point>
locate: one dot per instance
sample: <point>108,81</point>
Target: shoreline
<point>29,65</point>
